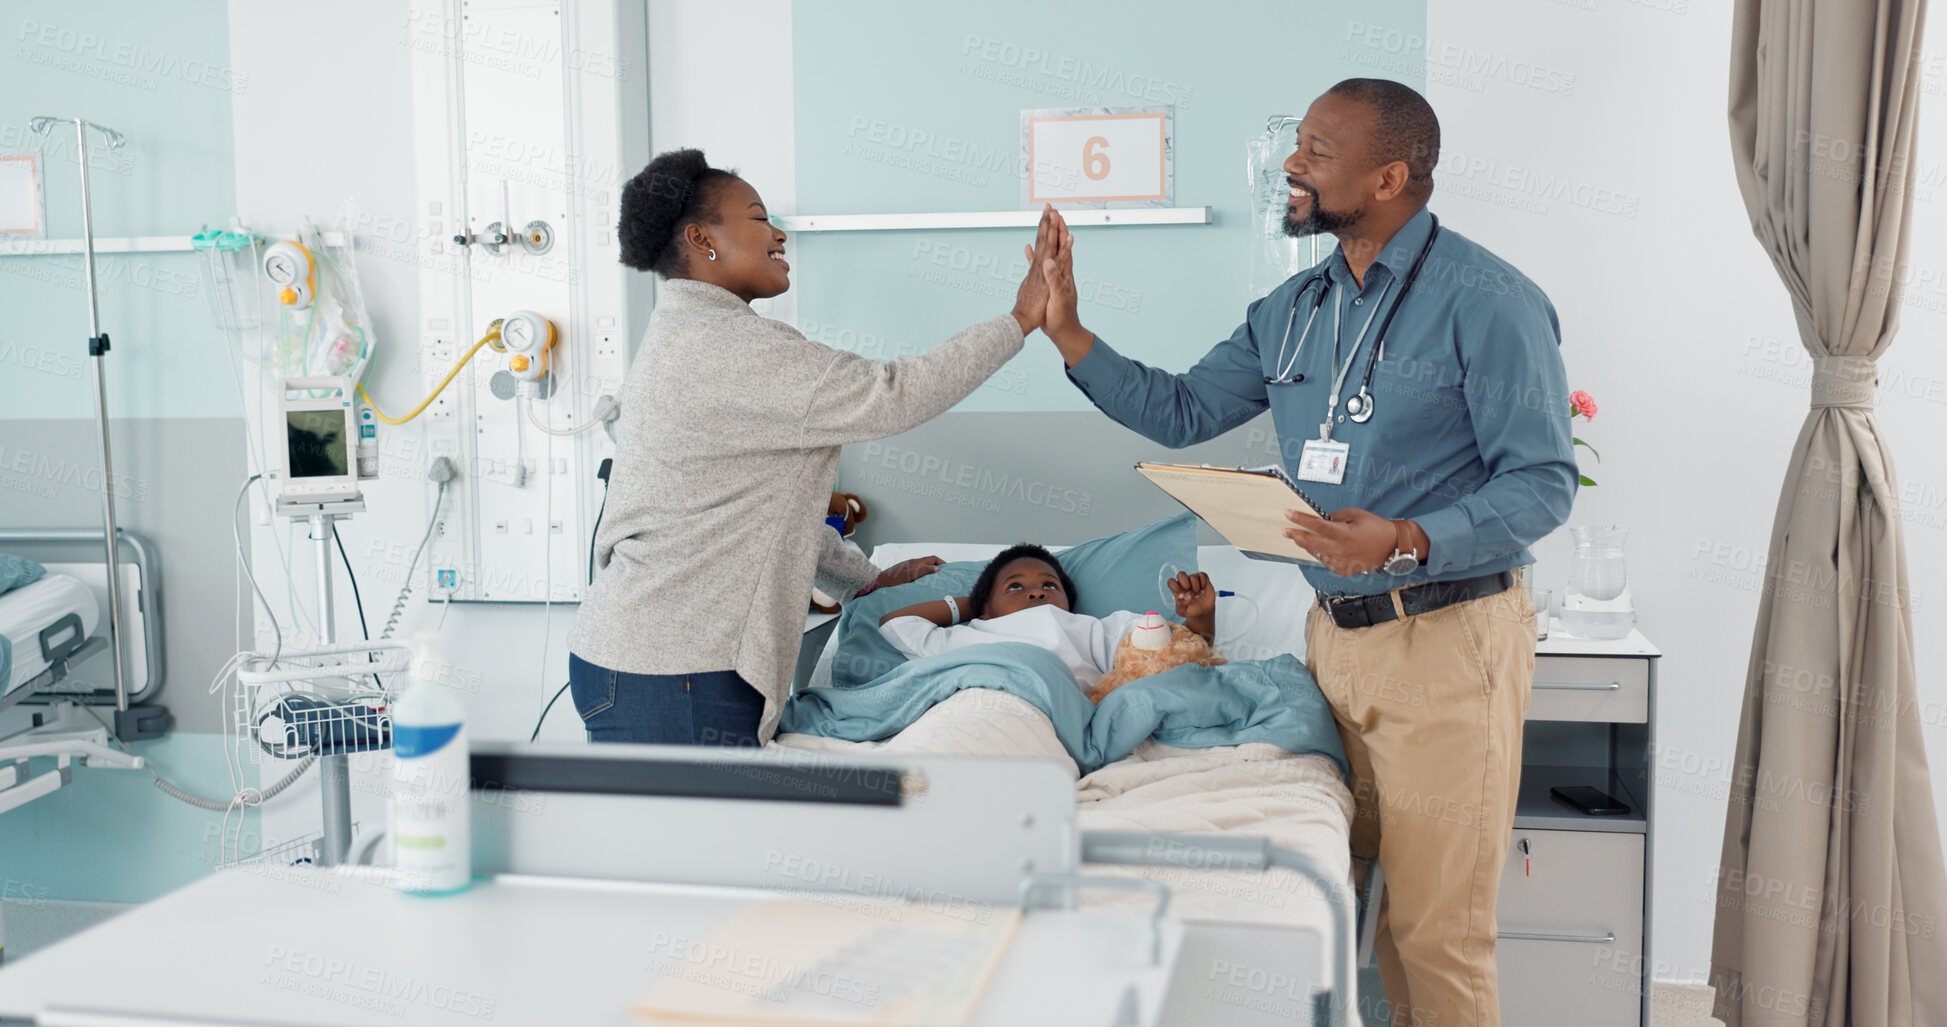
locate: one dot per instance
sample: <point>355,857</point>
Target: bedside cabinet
<point>1574,908</point>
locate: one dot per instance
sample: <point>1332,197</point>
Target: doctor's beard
<point>1320,221</point>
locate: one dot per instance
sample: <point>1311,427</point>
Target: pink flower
<point>1582,403</point>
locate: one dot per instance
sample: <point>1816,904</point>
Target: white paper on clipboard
<point>1246,506</point>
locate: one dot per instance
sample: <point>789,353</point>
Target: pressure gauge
<point>527,336</point>
<point>517,332</point>
<point>288,266</point>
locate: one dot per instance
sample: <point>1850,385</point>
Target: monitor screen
<point>317,443</point>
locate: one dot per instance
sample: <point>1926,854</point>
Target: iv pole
<point>97,349</point>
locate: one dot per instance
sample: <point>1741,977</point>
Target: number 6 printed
<point>1095,163</point>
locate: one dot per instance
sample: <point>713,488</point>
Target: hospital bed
<point>1245,792</point>
<point>600,869</point>
<point>58,659</point>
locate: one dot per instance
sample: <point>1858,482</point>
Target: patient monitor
<point>317,461</point>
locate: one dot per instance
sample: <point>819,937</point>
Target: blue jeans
<point>712,708</point>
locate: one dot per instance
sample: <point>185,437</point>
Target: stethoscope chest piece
<point>1359,407</point>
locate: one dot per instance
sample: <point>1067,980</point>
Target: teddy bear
<point>1133,661</point>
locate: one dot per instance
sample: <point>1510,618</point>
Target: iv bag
<point>1275,256</point>
<point>334,335</point>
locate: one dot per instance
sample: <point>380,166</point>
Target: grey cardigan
<point>727,448</point>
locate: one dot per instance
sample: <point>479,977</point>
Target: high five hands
<point>1060,321</point>
<point>1031,299</point>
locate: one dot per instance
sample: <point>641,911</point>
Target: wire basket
<point>296,852</point>
<point>330,701</point>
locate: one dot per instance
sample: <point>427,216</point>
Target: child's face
<point>1024,584</point>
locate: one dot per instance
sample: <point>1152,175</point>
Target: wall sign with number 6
<point>1097,156</point>
<point>1095,163</point>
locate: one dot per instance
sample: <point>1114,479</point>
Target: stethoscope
<point>1359,406</point>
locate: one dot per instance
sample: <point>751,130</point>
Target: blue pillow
<point>1114,572</point>
<point>16,571</point>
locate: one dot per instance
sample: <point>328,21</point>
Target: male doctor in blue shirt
<point>1416,383</point>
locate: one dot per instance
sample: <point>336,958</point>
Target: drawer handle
<point>1581,686</point>
<point>1587,939</point>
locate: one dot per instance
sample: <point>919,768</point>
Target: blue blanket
<point>1273,701</point>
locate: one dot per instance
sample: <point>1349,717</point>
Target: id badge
<point>1323,462</point>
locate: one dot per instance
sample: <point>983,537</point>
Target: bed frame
<point>65,647</point>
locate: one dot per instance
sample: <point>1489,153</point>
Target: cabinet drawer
<point>1571,923</point>
<point>1611,689</point>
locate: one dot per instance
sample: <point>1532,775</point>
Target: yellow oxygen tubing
<point>492,336</point>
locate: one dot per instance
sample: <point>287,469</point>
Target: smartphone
<point>1592,801</point>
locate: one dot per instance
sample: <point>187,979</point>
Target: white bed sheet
<point>25,612</point>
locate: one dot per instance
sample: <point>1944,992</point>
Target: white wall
<point>1676,322</point>
<point>721,82</point>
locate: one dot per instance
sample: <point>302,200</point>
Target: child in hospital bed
<point>1025,596</point>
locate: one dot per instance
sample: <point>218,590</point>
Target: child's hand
<point>1196,600</point>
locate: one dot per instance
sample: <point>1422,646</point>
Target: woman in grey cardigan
<point>728,445</point>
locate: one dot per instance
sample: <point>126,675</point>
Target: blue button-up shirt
<point>1470,429</point>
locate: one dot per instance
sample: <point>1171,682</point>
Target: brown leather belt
<point>1365,611</point>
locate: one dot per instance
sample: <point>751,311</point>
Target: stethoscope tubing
<point>1379,345</point>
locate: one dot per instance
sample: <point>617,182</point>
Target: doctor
<point>1416,383</point>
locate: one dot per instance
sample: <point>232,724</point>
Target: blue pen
<point>1221,593</point>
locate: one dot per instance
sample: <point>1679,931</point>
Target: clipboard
<point>1245,505</point>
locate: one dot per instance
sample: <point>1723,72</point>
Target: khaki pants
<point>1430,708</point>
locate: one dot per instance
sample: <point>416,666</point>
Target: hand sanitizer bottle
<point>428,810</point>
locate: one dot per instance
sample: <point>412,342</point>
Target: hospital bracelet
<point>953,608</point>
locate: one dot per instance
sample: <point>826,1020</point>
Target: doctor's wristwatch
<point>1403,561</point>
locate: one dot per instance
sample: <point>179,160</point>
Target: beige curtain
<point>1831,898</point>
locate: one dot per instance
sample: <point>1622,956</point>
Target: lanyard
<point>1338,327</point>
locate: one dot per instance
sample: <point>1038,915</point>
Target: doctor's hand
<point>1063,324</point>
<point>907,570</point>
<point>1354,541</point>
<point>1031,299</point>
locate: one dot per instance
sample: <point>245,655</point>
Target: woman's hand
<point>1061,322</point>
<point>907,570</point>
<point>1196,602</point>
<point>1031,299</point>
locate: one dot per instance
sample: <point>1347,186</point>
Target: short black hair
<point>1406,128</point>
<point>676,190</point>
<point>983,587</point>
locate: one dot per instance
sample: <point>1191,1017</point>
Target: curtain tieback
<point>1844,382</point>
